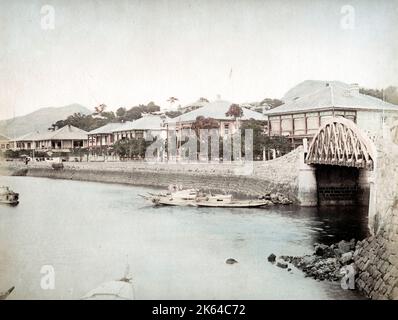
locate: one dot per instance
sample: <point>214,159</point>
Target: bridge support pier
<point>307,186</point>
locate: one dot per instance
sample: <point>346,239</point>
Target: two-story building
<point>144,127</point>
<point>311,103</point>
<point>216,110</point>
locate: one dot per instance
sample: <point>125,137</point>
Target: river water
<point>88,232</point>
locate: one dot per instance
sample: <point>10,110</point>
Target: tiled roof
<point>109,128</point>
<point>323,94</point>
<point>216,110</point>
<point>65,133</point>
<point>147,122</point>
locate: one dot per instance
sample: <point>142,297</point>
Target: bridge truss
<point>340,142</point>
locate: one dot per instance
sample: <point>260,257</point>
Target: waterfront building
<point>216,110</point>
<point>144,127</point>
<point>64,139</point>
<point>311,103</point>
<point>101,140</point>
<point>103,136</point>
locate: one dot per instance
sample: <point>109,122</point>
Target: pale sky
<point>126,52</point>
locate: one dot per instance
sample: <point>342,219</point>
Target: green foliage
<point>204,123</point>
<point>84,122</point>
<point>131,148</point>
<point>372,92</point>
<point>11,154</point>
<point>273,103</point>
<point>102,117</point>
<point>389,94</point>
<point>172,100</point>
<point>121,112</point>
<point>261,141</point>
<point>173,114</point>
<point>234,111</point>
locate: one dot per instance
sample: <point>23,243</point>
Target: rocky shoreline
<point>331,263</point>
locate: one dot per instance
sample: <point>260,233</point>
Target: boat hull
<point>232,204</point>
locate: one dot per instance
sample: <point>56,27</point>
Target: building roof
<point>65,133</point>
<point>3,137</point>
<point>216,110</point>
<point>147,122</point>
<point>31,136</point>
<point>109,128</point>
<point>317,95</point>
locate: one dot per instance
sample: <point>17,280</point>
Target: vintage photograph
<point>198,150</point>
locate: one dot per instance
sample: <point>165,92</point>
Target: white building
<point>309,104</point>
<point>64,139</point>
<point>216,110</point>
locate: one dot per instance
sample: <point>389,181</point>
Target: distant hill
<point>39,120</point>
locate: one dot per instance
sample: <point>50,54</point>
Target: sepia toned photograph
<point>198,150</point>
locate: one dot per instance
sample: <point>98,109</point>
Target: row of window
<point>301,124</point>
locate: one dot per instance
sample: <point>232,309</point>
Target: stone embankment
<point>377,258</point>
<point>274,176</point>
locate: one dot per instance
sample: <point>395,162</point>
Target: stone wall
<point>376,258</point>
<point>278,175</point>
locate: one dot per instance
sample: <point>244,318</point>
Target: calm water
<point>89,232</point>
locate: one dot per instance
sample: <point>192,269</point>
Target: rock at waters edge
<point>231,261</point>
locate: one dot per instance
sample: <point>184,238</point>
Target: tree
<point>261,141</point>
<point>204,123</point>
<point>133,113</point>
<point>131,148</point>
<point>202,99</point>
<point>272,103</point>
<point>84,122</point>
<point>234,111</point>
<point>173,114</point>
<point>391,94</point>
<point>151,107</point>
<point>121,112</point>
<point>172,100</point>
<point>99,109</point>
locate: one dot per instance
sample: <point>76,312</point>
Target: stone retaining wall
<point>278,175</point>
<point>376,258</point>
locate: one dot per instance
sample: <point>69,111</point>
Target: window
<point>226,128</point>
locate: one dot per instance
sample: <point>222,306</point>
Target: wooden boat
<point>8,196</point>
<point>234,204</point>
<point>178,198</point>
<point>113,290</point>
<point>195,198</point>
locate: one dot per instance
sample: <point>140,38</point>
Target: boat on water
<point>121,289</point>
<point>112,290</point>
<point>197,198</point>
<point>8,196</point>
